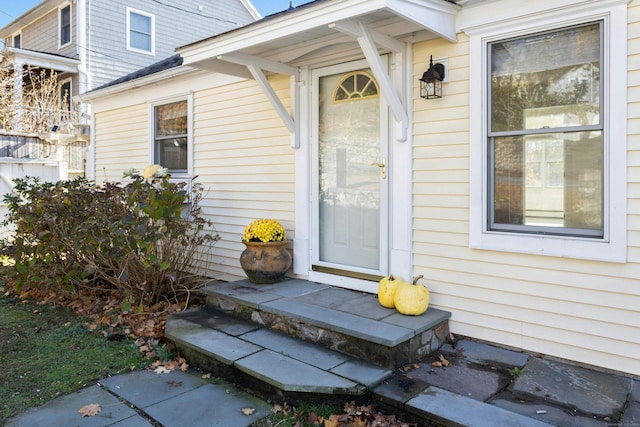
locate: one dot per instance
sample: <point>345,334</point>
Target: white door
<point>350,182</point>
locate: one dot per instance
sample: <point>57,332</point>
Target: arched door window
<point>354,86</point>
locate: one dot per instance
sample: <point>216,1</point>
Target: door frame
<point>399,174</point>
<point>384,115</point>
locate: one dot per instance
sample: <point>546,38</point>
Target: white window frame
<point>549,15</point>
<point>152,18</point>
<point>60,9</point>
<point>152,131</point>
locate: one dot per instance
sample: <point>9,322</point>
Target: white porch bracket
<point>256,67</point>
<point>367,39</point>
<point>262,81</point>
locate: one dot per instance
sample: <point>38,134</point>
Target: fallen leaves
<point>441,362</point>
<point>247,411</point>
<point>353,416</point>
<point>179,363</point>
<point>90,410</point>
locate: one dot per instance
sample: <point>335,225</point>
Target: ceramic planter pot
<point>265,262</point>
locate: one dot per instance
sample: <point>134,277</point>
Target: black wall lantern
<point>431,81</point>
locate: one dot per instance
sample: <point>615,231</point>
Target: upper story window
<point>64,19</point>
<point>548,120</point>
<point>172,135</point>
<point>140,31</point>
<point>17,41</point>
<point>546,133</point>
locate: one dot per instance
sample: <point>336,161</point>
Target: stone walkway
<point>473,391</point>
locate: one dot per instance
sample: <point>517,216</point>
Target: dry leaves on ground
<point>90,410</point>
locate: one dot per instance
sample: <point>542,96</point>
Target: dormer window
<point>64,17</point>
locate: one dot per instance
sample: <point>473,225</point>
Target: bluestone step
<point>451,409</point>
<point>285,363</point>
<point>348,321</point>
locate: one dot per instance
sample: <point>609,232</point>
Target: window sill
<point>557,246</point>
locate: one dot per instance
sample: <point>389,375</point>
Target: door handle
<point>383,167</point>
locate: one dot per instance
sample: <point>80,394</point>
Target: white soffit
<point>310,24</point>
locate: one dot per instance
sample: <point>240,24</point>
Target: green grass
<point>47,351</point>
<point>305,415</point>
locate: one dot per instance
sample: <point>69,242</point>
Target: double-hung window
<point>546,133</point>
<point>172,135</point>
<point>64,18</point>
<point>140,31</point>
<point>17,41</point>
<point>548,128</point>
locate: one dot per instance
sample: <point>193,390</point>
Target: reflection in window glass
<point>546,134</point>
<point>171,129</point>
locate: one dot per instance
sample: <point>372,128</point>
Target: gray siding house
<point>92,42</point>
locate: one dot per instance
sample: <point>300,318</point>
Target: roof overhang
<point>30,16</point>
<point>284,42</point>
<point>288,36</point>
<point>47,61</point>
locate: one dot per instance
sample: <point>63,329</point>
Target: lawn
<point>48,350</point>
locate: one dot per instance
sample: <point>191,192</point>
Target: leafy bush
<point>144,238</point>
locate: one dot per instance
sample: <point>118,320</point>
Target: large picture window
<point>171,135</point>
<point>546,134</point>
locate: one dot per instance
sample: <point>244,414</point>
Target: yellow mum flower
<point>264,230</point>
<point>150,171</point>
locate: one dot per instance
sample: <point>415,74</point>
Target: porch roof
<point>59,63</point>
<point>290,36</point>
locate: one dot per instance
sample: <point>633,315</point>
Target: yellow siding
<point>123,141</point>
<point>243,157</point>
<point>580,310</point>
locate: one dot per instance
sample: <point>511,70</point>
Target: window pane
<point>553,180</point>
<point>546,80</point>
<point>171,119</point>
<point>172,154</point>
<point>140,31</point>
<point>65,25</point>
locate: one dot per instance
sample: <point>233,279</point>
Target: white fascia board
<point>87,97</point>
<point>44,60</point>
<point>435,15</point>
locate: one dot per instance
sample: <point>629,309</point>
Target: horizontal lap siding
<point>122,141</point>
<point>244,159</point>
<point>580,310</point>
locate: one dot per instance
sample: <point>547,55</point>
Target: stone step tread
<point>292,375</point>
<point>309,367</point>
<point>348,312</point>
<point>224,348</point>
<point>456,410</point>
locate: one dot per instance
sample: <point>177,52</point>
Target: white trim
<point>64,6</point>
<point>13,40</point>
<point>152,18</point>
<point>613,247</point>
<point>190,131</point>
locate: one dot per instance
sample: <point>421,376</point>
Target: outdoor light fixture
<point>431,81</point>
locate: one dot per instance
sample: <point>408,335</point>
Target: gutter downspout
<point>83,22</point>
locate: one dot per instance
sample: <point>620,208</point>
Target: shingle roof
<point>166,64</point>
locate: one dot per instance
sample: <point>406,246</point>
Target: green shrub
<point>144,238</point>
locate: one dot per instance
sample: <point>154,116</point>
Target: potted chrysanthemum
<point>266,258</point>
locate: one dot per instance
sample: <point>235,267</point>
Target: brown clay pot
<point>265,262</point>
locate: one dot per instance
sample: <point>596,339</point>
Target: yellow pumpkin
<point>411,299</point>
<point>387,289</point>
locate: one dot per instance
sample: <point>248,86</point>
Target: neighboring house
<point>516,194</point>
<point>91,42</point>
